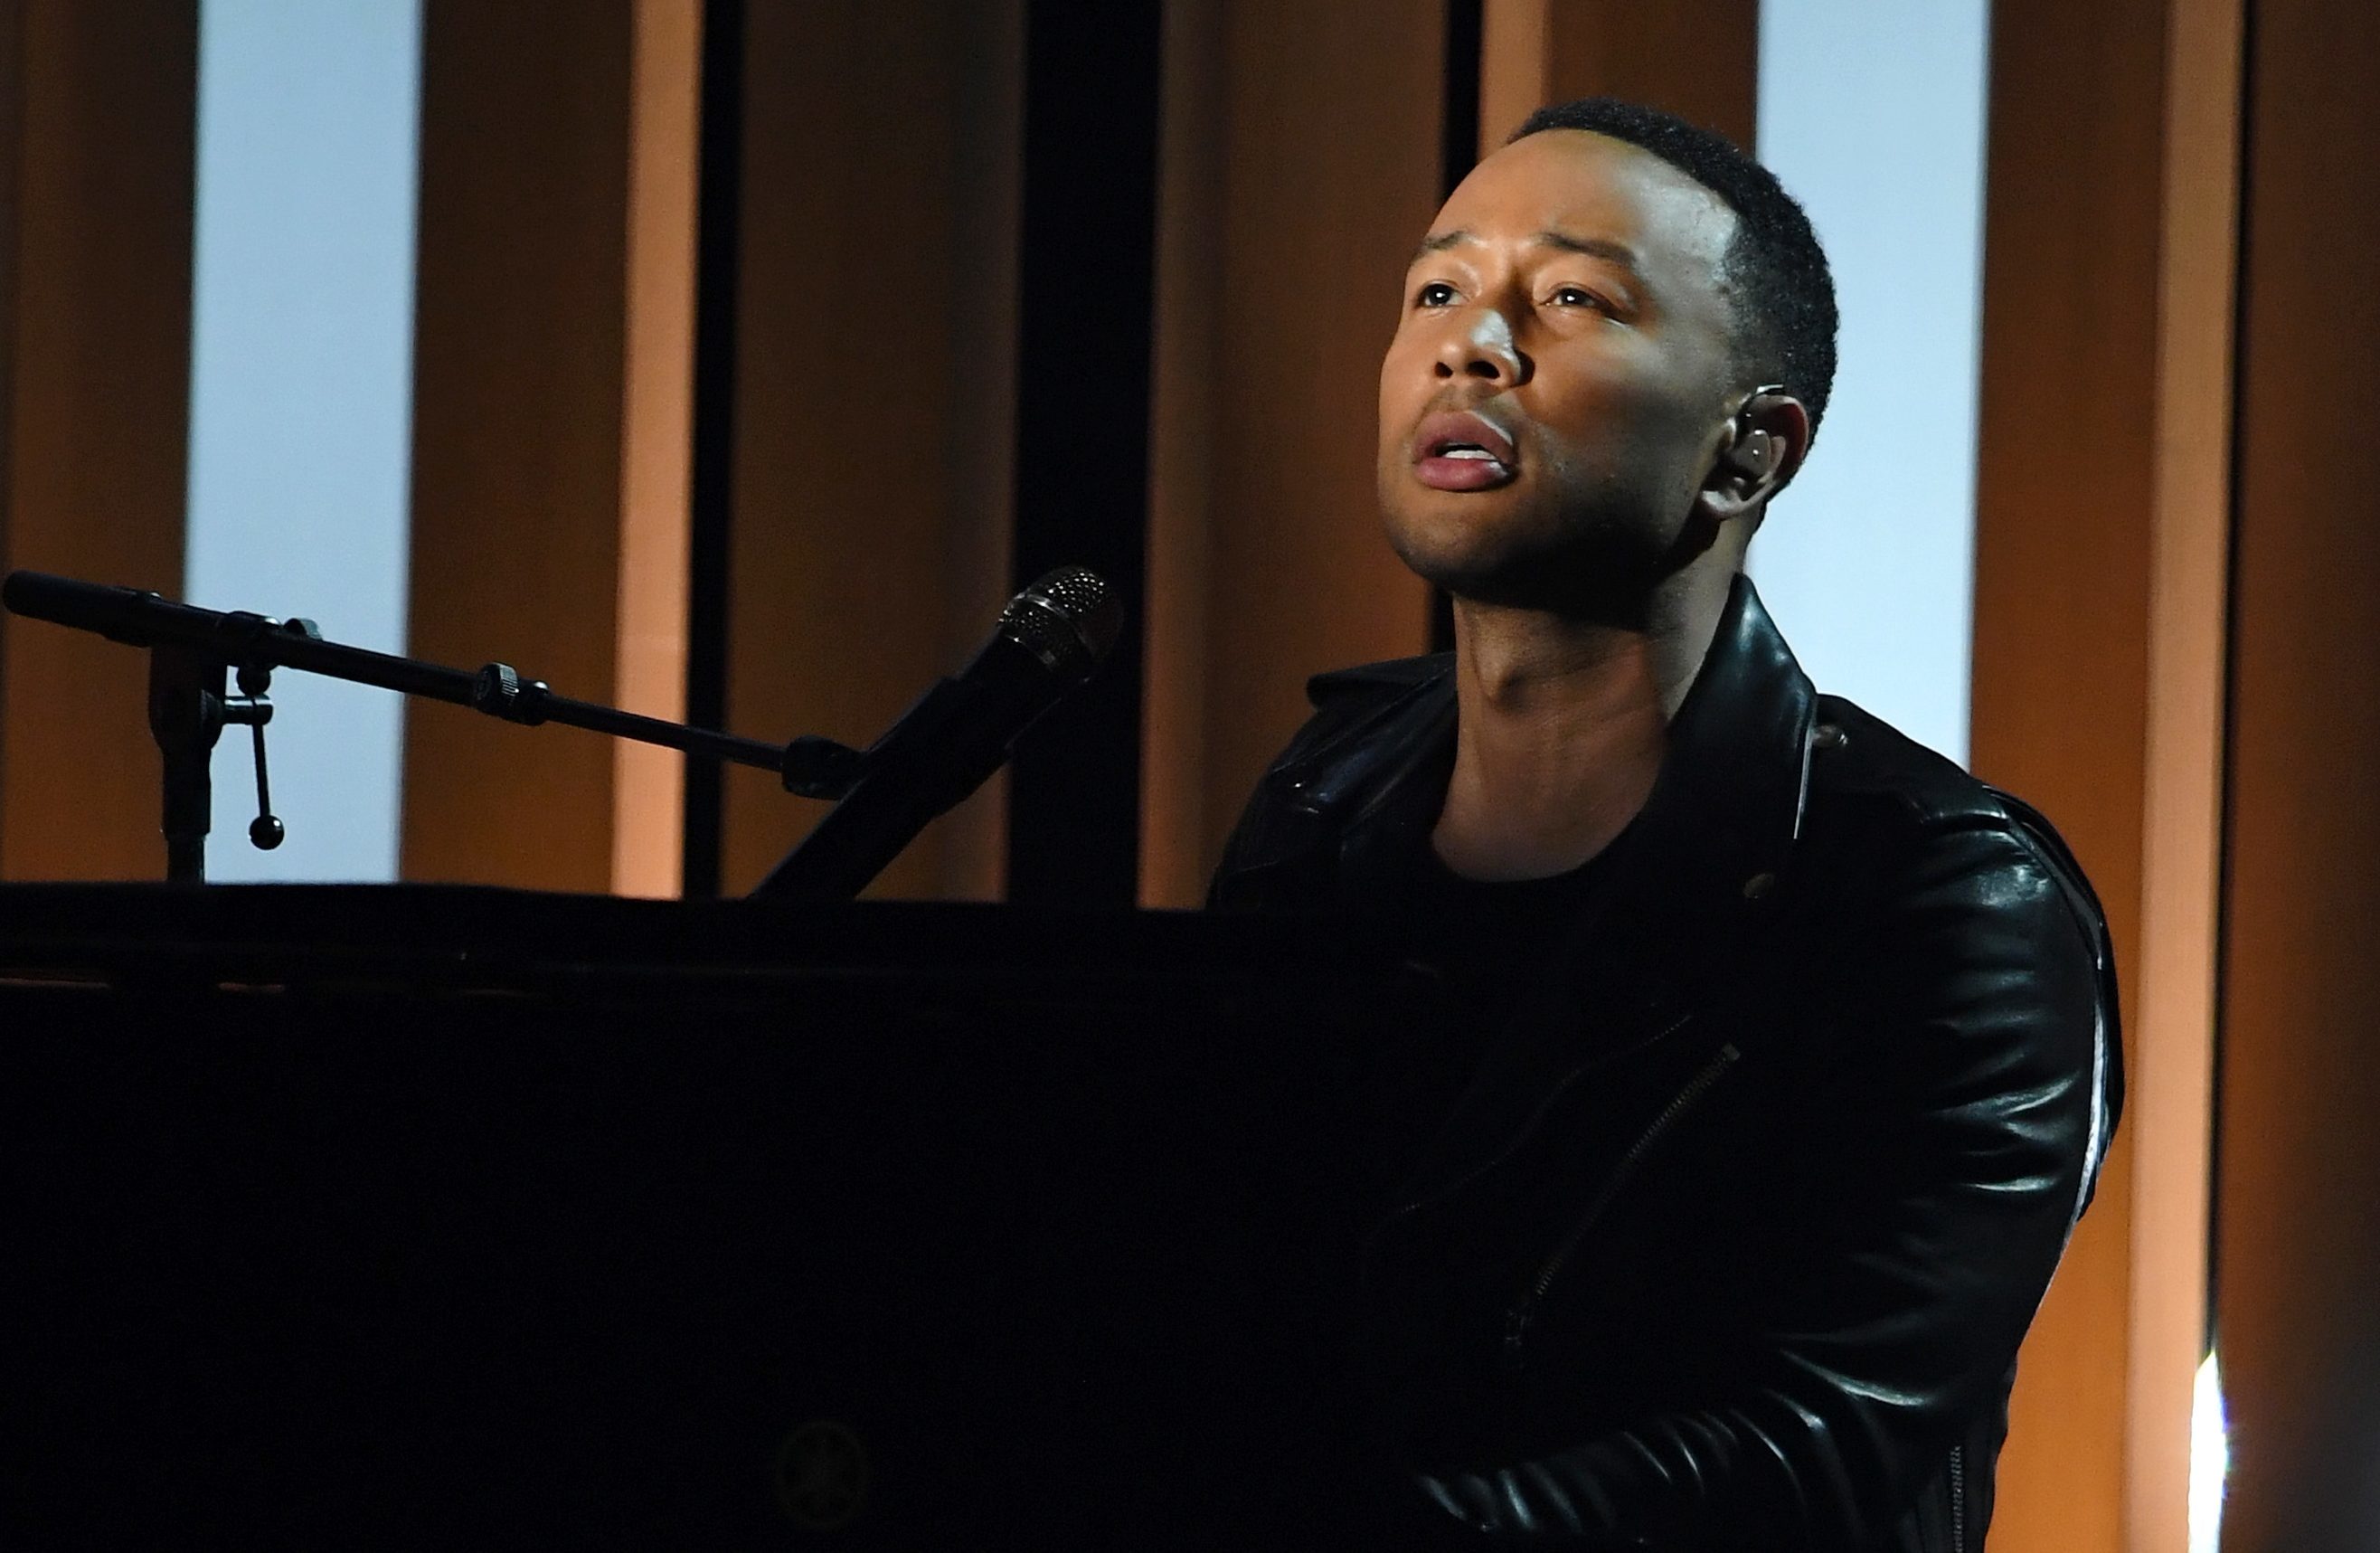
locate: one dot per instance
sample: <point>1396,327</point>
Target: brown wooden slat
<point>2098,636</point>
<point>2298,1200</point>
<point>98,307</point>
<point>1699,59</point>
<point>520,340</point>
<point>874,395</point>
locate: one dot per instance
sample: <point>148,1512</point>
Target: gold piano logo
<point>823,1476</point>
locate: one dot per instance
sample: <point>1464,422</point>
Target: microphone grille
<point>1068,618</point>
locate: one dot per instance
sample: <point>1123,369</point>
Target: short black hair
<point>1776,274</point>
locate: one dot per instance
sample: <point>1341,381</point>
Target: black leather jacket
<point>1731,1241</point>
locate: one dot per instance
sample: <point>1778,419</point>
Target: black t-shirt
<point>1488,942</point>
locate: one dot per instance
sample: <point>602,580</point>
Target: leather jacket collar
<point>1729,801</point>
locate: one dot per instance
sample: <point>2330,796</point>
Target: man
<point>1787,1053</point>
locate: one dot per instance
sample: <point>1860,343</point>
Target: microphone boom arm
<point>192,647</point>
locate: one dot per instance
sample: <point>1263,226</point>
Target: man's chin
<point>1464,544</point>
<point>1515,576</point>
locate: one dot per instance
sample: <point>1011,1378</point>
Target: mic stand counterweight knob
<point>266,831</point>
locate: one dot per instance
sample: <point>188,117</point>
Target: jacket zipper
<point>1529,1128</point>
<point>1959,1498</point>
<point>1524,1310</point>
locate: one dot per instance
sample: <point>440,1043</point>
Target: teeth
<point>1464,450</point>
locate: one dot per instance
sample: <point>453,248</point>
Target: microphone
<point>1049,639</point>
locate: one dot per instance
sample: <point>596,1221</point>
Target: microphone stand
<point>192,651</point>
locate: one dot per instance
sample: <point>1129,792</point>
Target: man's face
<point>1561,379</point>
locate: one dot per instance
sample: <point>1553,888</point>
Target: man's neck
<point>1562,725</point>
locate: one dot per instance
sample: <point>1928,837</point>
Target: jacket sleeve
<point>1964,1122</point>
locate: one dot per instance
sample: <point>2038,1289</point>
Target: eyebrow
<point>1593,248</point>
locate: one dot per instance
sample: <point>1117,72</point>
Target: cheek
<point>1402,390</point>
<point>1609,419</point>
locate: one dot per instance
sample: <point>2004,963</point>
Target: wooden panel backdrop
<point>2066,467</point>
<point>519,342</point>
<point>874,394</point>
<point>1699,59</point>
<point>2298,1198</point>
<point>102,104</point>
<point>2097,694</point>
<point>657,412</point>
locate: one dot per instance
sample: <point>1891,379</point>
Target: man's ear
<point>1759,454</point>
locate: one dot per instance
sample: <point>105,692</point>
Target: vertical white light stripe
<point>2210,1458</point>
<point>1873,116</point>
<point>302,384</point>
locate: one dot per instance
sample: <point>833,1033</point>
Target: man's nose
<point>1481,346</point>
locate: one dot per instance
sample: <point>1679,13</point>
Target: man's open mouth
<point>1460,450</point>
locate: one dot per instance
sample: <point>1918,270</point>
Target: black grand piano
<point>427,1217</point>
<point>445,1216</point>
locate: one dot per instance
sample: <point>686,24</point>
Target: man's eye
<point>1434,295</point>
<point>1577,296</point>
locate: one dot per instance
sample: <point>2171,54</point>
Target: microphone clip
<point>816,767</point>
